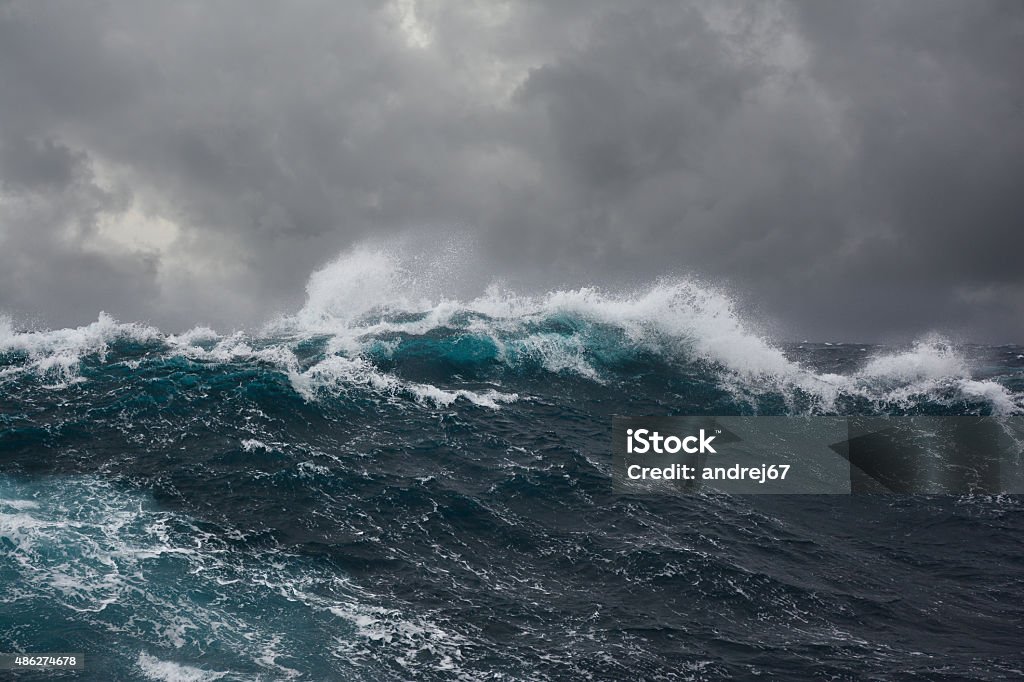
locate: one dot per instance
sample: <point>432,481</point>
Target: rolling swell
<point>363,331</point>
<point>393,483</point>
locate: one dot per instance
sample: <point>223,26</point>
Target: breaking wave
<point>397,481</point>
<point>372,311</point>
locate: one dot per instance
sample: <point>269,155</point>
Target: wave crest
<point>376,307</point>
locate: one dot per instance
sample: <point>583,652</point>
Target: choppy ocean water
<point>384,487</point>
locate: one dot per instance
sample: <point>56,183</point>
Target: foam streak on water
<point>399,482</point>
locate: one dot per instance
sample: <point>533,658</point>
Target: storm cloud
<point>850,170</point>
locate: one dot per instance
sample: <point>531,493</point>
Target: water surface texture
<point>384,486</point>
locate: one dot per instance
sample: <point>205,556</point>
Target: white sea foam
<point>169,671</point>
<point>252,445</point>
<point>346,300</point>
<point>337,375</point>
<point>58,353</point>
<point>84,544</point>
<point>193,336</point>
<point>930,359</point>
<point>354,285</point>
<point>362,299</point>
<point>931,369</point>
<point>680,319</point>
<point>409,638</point>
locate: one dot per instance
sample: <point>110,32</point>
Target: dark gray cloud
<point>849,168</point>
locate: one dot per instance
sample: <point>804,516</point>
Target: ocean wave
<point>373,310</point>
<point>83,547</point>
<point>58,353</point>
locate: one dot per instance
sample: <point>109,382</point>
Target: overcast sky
<point>850,169</point>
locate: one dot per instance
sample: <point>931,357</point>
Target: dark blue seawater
<point>426,494</point>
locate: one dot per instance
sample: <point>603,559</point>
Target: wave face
<point>395,482</point>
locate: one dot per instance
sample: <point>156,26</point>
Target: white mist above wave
<point>370,294</point>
